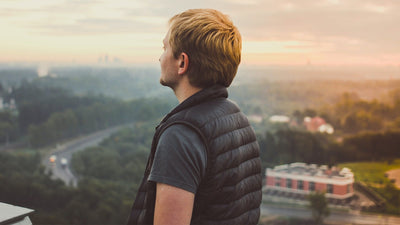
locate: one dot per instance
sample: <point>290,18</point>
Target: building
<point>279,119</point>
<point>318,124</point>
<point>14,215</point>
<point>299,179</point>
<point>8,105</point>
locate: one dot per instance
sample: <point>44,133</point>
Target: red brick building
<point>301,179</point>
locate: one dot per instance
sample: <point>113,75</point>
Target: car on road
<point>53,158</point>
<point>64,163</point>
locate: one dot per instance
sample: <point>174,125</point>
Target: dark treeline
<point>48,115</point>
<point>85,119</point>
<point>9,130</point>
<point>35,104</point>
<point>122,157</point>
<point>291,145</point>
<point>373,146</point>
<point>11,77</point>
<point>287,146</point>
<point>364,131</point>
<point>351,114</point>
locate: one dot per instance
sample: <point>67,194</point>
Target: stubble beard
<point>169,84</point>
<point>163,83</point>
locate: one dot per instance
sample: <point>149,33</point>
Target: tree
<point>318,206</point>
<point>298,117</point>
<point>5,130</point>
<point>8,127</point>
<point>310,113</point>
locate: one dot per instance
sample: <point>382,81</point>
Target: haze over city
<point>302,32</point>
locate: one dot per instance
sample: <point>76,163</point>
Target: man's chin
<point>163,83</point>
<point>167,84</point>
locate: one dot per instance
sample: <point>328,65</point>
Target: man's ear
<point>183,63</point>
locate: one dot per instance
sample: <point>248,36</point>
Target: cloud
<point>334,27</point>
<point>79,17</point>
<point>355,24</point>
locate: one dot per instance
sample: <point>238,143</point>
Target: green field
<point>372,173</point>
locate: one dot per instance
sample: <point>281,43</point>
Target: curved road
<point>67,149</point>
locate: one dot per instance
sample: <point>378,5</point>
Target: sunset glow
<point>330,32</point>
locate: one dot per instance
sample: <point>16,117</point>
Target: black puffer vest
<point>230,193</point>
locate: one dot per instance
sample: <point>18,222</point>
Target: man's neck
<point>183,92</point>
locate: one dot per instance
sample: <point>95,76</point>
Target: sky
<point>274,32</point>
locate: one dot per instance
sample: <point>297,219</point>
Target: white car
<point>64,162</point>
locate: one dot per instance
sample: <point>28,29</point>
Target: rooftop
<point>10,214</point>
<point>313,170</point>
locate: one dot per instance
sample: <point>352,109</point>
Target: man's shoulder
<point>215,107</point>
<point>178,129</point>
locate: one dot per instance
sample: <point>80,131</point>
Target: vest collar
<point>206,94</point>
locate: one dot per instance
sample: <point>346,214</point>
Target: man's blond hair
<point>212,43</point>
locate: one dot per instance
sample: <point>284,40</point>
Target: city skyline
<point>303,32</point>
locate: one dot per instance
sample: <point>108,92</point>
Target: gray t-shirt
<point>180,159</point>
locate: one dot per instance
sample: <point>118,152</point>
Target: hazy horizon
<point>258,72</point>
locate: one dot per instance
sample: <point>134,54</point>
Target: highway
<point>66,150</point>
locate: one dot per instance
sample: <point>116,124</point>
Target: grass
<point>276,220</point>
<point>372,173</point>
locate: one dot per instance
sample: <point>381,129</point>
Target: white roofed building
<point>299,179</point>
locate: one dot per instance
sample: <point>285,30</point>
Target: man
<point>204,166</point>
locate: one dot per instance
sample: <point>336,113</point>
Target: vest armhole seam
<point>198,131</point>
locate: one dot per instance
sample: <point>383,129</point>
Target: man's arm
<point>174,206</point>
